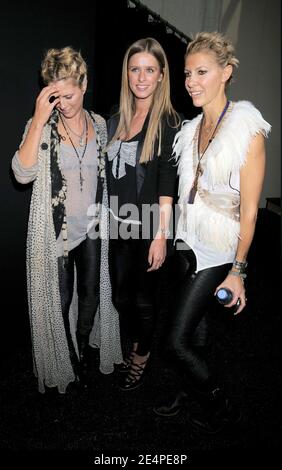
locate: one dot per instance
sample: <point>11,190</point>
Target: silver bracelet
<point>241,265</point>
<point>164,232</point>
<point>238,274</point>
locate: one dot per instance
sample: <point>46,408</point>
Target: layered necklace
<point>80,137</point>
<point>80,157</point>
<point>198,172</point>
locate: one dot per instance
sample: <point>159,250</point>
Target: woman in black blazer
<point>142,183</point>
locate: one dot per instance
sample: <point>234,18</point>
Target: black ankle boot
<point>172,405</point>
<point>83,348</point>
<point>217,412</point>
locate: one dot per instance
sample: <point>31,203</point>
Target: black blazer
<point>158,176</point>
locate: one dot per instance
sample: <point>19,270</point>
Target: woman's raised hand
<point>45,103</point>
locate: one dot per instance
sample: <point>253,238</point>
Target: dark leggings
<point>189,328</point>
<point>134,291</point>
<point>86,258</point>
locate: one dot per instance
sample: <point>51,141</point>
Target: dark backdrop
<point>114,33</point>
<point>27,30</point>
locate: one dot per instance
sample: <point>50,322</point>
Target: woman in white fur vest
<point>221,163</point>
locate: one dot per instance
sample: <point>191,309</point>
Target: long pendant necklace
<point>194,188</point>
<point>79,136</point>
<point>80,158</point>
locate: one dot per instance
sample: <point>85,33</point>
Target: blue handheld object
<point>224,296</point>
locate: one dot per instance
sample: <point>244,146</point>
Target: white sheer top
<point>79,204</point>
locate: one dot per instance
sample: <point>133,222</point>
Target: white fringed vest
<point>211,225</point>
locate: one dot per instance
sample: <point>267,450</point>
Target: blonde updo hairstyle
<point>64,63</point>
<point>216,43</point>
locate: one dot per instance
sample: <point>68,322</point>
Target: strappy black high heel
<point>135,376</point>
<point>126,364</point>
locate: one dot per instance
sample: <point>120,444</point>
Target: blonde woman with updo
<point>221,162</point>
<point>67,241</point>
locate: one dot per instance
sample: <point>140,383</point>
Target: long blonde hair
<point>161,103</point>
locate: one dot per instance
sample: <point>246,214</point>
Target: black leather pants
<point>188,329</point>
<point>86,258</point>
<point>134,291</point>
